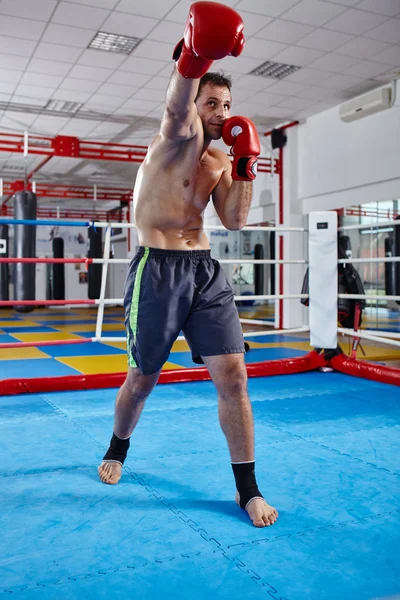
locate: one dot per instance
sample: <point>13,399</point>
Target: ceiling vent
<point>14,169</point>
<point>112,42</point>
<point>274,70</point>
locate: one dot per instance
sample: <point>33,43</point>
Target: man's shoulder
<point>218,155</point>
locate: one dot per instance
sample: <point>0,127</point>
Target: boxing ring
<point>326,450</point>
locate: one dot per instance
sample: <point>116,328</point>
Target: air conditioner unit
<point>368,104</point>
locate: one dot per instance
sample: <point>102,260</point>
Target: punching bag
<point>396,252</point>
<point>390,267</point>
<point>49,282</point>
<point>272,257</point>
<point>24,247</point>
<point>258,270</point>
<point>94,271</point>
<point>58,270</point>
<point>4,274</point>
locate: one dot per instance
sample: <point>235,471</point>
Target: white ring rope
<point>367,336</point>
<point>366,297</point>
<point>117,301</point>
<point>380,259</point>
<point>373,227</point>
<point>104,224</point>
<point>181,338</point>
<point>227,261</point>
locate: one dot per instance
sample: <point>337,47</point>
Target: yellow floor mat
<point>46,337</point>
<point>120,345</point>
<point>296,345</point>
<point>376,353</point>
<point>19,324</point>
<point>96,364</point>
<point>65,318</point>
<point>21,353</point>
<point>89,365</point>
<point>179,346</point>
<point>89,327</point>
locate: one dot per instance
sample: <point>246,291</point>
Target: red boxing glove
<point>241,134</point>
<point>212,31</point>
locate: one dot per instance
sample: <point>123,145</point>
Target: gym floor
<point>327,458</point>
<point>110,357</point>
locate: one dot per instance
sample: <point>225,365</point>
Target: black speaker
<point>278,138</point>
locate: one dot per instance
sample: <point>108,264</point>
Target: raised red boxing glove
<point>212,31</point>
<point>241,134</point>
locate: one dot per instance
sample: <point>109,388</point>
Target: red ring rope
<point>46,343</point>
<point>44,302</point>
<point>88,261</point>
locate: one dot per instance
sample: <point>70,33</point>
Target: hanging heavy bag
<point>25,204</point>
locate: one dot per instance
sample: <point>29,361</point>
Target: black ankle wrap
<point>246,483</point>
<point>118,449</point>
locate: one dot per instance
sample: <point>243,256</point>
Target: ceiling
<point>344,47</point>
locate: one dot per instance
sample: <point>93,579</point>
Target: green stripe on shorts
<point>134,312</point>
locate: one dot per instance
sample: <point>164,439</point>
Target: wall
<point>343,164</point>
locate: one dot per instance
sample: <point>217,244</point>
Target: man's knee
<point>139,385</point>
<point>233,382</point>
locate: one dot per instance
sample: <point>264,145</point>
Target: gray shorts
<point>169,291</point>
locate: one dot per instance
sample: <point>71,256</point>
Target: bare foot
<point>261,513</point>
<point>110,471</point>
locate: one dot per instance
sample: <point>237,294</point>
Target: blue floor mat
<point>85,349</point>
<point>327,449</point>
<point>36,367</point>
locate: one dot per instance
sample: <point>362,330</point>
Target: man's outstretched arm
<point>179,121</point>
<point>212,32</point>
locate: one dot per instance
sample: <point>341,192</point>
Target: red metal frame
<point>281,216</point>
<point>358,211</point>
<point>71,213</point>
<point>73,147</point>
<point>52,190</point>
<point>281,249</point>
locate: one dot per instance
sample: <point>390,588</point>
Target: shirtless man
<point>173,284</point>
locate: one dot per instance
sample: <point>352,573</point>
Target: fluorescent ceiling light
<point>63,106</point>
<point>112,42</point>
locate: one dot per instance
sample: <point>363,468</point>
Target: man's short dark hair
<point>215,79</point>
